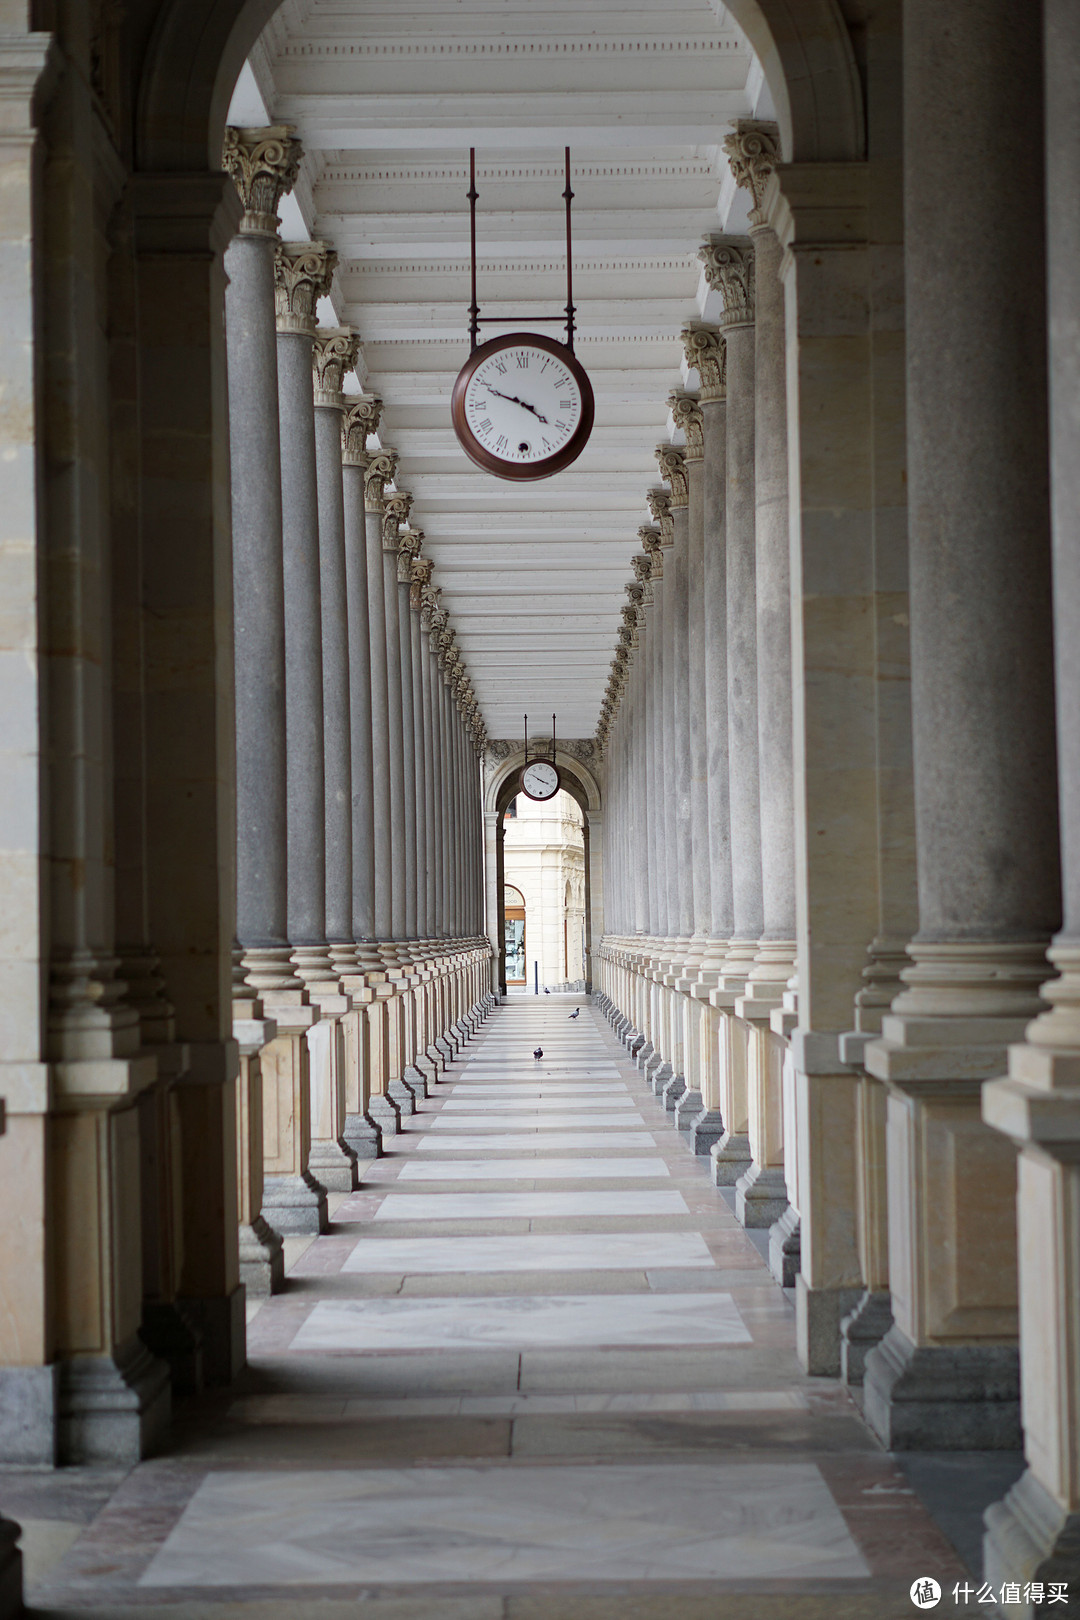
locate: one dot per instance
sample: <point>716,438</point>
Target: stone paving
<point>532,1372</point>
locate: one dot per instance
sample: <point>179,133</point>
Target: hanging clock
<point>540,780</point>
<point>522,406</point>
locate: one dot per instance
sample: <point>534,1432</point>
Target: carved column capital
<point>653,541</point>
<point>419,579</point>
<point>753,152</point>
<point>409,542</point>
<point>659,503</point>
<point>395,510</point>
<point>380,471</point>
<point>729,270</point>
<point>686,413</point>
<point>359,422</point>
<point>429,605</point>
<point>263,165</point>
<point>672,463</point>
<point>706,352</point>
<point>335,351</point>
<point>303,272</point>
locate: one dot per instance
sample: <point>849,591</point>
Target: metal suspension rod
<point>553,739</point>
<point>569,195</point>
<point>474,307</point>
<point>526,739</point>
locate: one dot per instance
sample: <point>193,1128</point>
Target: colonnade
<point>360,966</point>
<point>832,787</point>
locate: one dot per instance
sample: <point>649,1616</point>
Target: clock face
<point>540,780</point>
<point>522,406</point>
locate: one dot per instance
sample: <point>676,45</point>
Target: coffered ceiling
<point>387,99</point>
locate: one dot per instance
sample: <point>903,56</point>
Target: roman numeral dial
<point>522,406</point>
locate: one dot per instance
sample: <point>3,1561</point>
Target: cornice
<point>371,49</point>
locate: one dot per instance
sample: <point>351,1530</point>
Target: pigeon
<point>538,1054</point>
<point>575,1012</point>
<point>547,992</point>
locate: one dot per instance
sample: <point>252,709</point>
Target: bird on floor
<point>575,1012</point>
<point>538,1054</point>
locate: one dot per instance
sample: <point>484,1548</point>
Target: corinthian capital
<point>729,270</point>
<point>303,272</point>
<point>686,413</point>
<point>753,152</point>
<point>653,541</point>
<point>334,352</point>
<point>409,542</point>
<point>706,352</point>
<point>659,503</point>
<point>360,421</point>
<point>672,464</point>
<point>396,509</point>
<point>263,165</point>
<point>380,471</point>
<point>419,579</point>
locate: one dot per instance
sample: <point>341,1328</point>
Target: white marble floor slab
<point>564,1251</point>
<point>494,1120</point>
<point>511,1141</point>
<point>523,1322</point>
<point>541,1105</point>
<point>551,1088</point>
<point>330,1409</point>
<point>546,1205</point>
<point>688,1521</point>
<point>533,1169</point>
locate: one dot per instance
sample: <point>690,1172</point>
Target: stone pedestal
<point>293,1200</point>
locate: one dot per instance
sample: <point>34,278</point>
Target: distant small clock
<point>540,779</point>
<point>522,406</point>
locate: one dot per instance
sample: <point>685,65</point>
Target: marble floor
<point>534,1371</point>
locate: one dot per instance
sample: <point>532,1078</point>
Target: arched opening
<point>515,938</point>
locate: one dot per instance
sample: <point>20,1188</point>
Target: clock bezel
<point>540,798</point>
<point>516,471</point>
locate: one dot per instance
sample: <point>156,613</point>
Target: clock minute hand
<point>513,400</point>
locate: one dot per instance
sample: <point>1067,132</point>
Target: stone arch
<point>197,48</point>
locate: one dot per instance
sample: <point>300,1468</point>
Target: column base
<point>785,1247</point>
<point>730,1158</point>
<point>416,1081</point>
<point>1030,1537</point>
<point>400,1092</point>
<point>818,1314</point>
<point>706,1129</point>
<point>445,1050</point>
<point>862,1332</point>
<point>761,1195</point>
<point>114,1410</point>
<point>385,1113</point>
<point>644,1052</point>
<point>11,1583</point>
<point>673,1092</point>
<point>262,1259</point>
<point>430,1072</point>
<point>333,1164</point>
<point>635,1043</point>
<point>688,1108</point>
<point>363,1136</point>
<point>436,1059</point>
<point>29,1401</point>
<point>169,1334</point>
<point>221,1323</point>
<point>937,1398</point>
<point>662,1072</point>
<point>295,1204</point>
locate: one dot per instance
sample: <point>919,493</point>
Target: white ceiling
<point>387,98</point>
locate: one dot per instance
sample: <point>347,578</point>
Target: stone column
<point>729,270</point>
<point>264,164</point>
<point>706,354</point>
<point>419,578</point>
<point>333,1161</point>
<point>428,601</point>
<point>752,151</point>
<point>1034,1534</point>
<point>409,542</point>
<point>295,1200</point>
<point>946,1374</point>
<point>395,513</point>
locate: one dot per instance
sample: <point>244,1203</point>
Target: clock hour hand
<point>513,400</point>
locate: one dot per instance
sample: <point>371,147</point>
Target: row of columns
<point>360,966</point>
<point>884,865</point>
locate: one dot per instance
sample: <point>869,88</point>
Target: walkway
<point>536,1371</point>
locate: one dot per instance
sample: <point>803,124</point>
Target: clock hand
<point>513,400</point>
